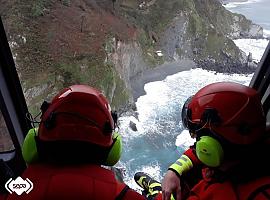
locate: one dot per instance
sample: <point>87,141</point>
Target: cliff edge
<point>114,45</point>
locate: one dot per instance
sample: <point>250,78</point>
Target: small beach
<point>157,74</point>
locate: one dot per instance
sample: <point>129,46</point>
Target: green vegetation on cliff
<point>209,28</point>
<point>59,43</point>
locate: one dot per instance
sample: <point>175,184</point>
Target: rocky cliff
<point>195,29</point>
<point>107,44</point>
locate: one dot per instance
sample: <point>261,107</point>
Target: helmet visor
<point>187,120</point>
<point>186,112</point>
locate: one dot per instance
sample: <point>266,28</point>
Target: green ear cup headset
<point>115,151</point>
<point>29,148</point>
<point>226,118</point>
<point>30,153</point>
<point>209,151</point>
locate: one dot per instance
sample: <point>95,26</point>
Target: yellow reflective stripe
<point>141,180</point>
<point>172,198</point>
<point>187,160</point>
<point>153,192</point>
<point>182,164</point>
<point>154,185</point>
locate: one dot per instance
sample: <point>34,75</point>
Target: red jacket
<point>248,182</point>
<point>79,182</point>
<point>206,189</point>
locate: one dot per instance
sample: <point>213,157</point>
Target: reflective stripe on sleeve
<point>183,164</point>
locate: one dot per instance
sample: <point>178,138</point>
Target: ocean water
<point>258,12</point>
<point>256,47</point>
<point>160,138</point>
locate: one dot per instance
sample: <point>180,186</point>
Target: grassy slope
<point>66,40</point>
<point>64,45</point>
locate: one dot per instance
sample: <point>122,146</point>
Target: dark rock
<point>129,109</point>
<point>228,67</point>
<point>249,58</point>
<point>195,51</point>
<point>133,126</point>
<point>252,65</point>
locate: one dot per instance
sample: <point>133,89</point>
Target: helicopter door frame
<point>13,105</point>
<point>261,81</point>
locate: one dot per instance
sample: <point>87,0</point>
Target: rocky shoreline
<point>231,68</point>
<point>225,62</point>
<point>161,72</point>
<point>193,34</point>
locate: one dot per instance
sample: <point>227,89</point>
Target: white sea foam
<point>177,88</point>
<point>125,130</point>
<point>159,113</point>
<point>153,170</point>
<point>184,140</point>
<point>266,33</point>
<point>161,100</point>
<point>165,97</point>
<point>236,4</point>
<point>159,120</point>
<point>256,47</point>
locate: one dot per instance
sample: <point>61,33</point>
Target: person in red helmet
<point>228,122</point>
<point>66,153</point>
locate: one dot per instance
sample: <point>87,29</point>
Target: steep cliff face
<point>209,32</point>
<point>59,43</point>
<point>194,29</point>
<point>229,24</point>
<point>65,43</point>
<point>127,59</point>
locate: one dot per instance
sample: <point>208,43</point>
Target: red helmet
<point>78,113</point>
<point>230,110</point>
